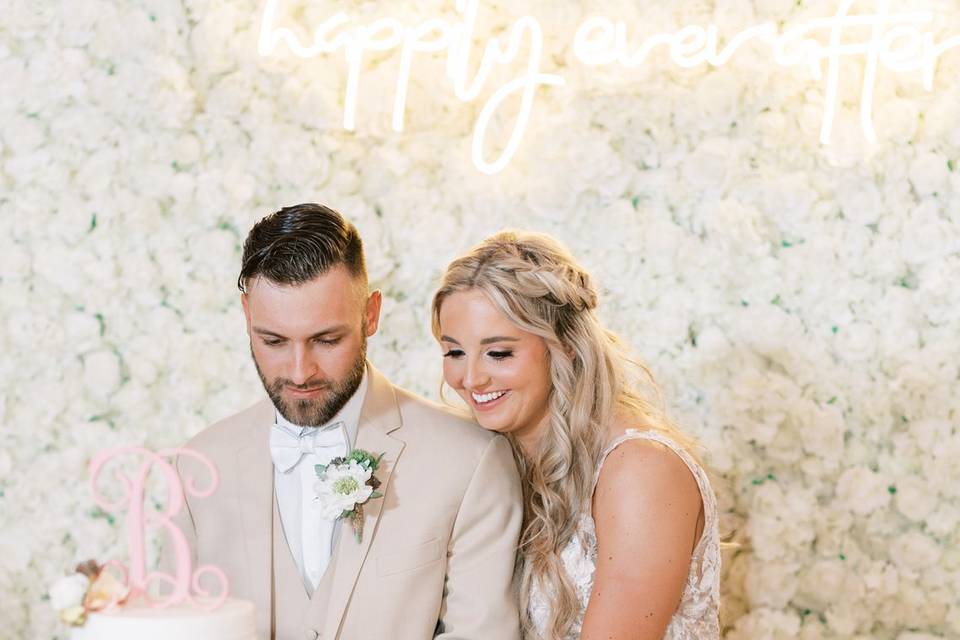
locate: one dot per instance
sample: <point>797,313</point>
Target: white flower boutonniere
<point>345,485</point>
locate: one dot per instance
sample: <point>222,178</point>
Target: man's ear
<point>372,312</point>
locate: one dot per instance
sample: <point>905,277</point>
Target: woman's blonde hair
<point>535,282</point>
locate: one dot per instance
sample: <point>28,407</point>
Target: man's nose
<point>304,366</point>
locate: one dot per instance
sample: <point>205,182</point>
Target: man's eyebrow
<point>320,334</point>
<point>267,332</point>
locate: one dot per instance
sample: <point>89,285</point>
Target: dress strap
<point>703,483</point>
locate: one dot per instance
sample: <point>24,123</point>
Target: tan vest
<point>296,614</point>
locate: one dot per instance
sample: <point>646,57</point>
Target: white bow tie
<point>287,449</point>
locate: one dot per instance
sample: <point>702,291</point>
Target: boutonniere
<point>345,485</point>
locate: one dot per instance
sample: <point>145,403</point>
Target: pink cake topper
<point>186,582</point>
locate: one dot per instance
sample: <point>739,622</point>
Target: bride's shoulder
<point>635,456</point>
<point>644,471</point>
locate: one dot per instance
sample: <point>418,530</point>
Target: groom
<point>436,554</point>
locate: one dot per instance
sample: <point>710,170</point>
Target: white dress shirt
<point>299,512</point>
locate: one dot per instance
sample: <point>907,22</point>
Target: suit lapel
<point>379,417</point>
<point>255,484</point>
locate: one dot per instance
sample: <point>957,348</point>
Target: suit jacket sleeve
<point>480,600</point>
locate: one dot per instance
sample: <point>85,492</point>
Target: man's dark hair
<point>298,243</point>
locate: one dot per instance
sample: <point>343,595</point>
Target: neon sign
<point>896,43</point>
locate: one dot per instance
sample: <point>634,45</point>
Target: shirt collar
<point>349,414</point>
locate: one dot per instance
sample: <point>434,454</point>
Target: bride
<point>620,536</point>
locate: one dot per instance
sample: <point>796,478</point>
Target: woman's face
<point>500,371</point>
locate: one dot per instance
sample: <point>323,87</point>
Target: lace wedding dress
<point>697,616</point>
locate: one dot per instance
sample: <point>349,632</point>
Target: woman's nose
<point>475,377</point>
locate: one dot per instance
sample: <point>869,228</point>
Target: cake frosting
<point>232,620</point>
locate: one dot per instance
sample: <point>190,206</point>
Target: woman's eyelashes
<point>496,355</point>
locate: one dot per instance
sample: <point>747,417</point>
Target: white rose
<point>740,225</point>
<point>771,584</point>
<point>881,578</point>
<point>856,342</point>
<point>60,265</point>
<point>844,618</point>
<point>813,629</point>
<point>940,117</point>
<point>786,447</point>
<point>942,523</point>
<point>915,551</point>
<point>29,327</point>
<point>823,430</point>
<point>707,167</point>
<point>766,624</point>
<point>101,372</point>
<point>182,187</point>
<point>953,621</point>
<point>929,174</point>
<point>897,120</point>
<point>915,499</point>
<point>824,582</point>
<point>848,147</point>
<point>925,235</point>
<point>717,98</point>
<point>83,329</point>
<point>862,491</point>
<point>342,488</point>
<point>22,135</point>
<point>931,435</point>
<point>779,523</point>
<point>712,343</point>
<point>860,201</point>
<point>69,591</point>
<point>188,149</point>
<point>15,261</point>
<point>767,329</point>
<point>212,37</point>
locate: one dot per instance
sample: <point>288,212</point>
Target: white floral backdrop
<point>798,302</point>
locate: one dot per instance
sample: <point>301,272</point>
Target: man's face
<point>309,341</point>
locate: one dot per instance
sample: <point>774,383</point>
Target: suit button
<point>311,634</point>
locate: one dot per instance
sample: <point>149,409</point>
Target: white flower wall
<point>798,302</point>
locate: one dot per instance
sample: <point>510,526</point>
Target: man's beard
<point>318,412</point>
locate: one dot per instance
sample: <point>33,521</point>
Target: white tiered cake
<point>233,620</point>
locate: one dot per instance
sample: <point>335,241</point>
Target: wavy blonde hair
<point>535,282</point>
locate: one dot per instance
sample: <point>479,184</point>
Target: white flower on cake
<point>345,485</point>
<point>90,588</point>
<point>66,597</point>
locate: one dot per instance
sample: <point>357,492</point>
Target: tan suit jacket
<point>437,554</point>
